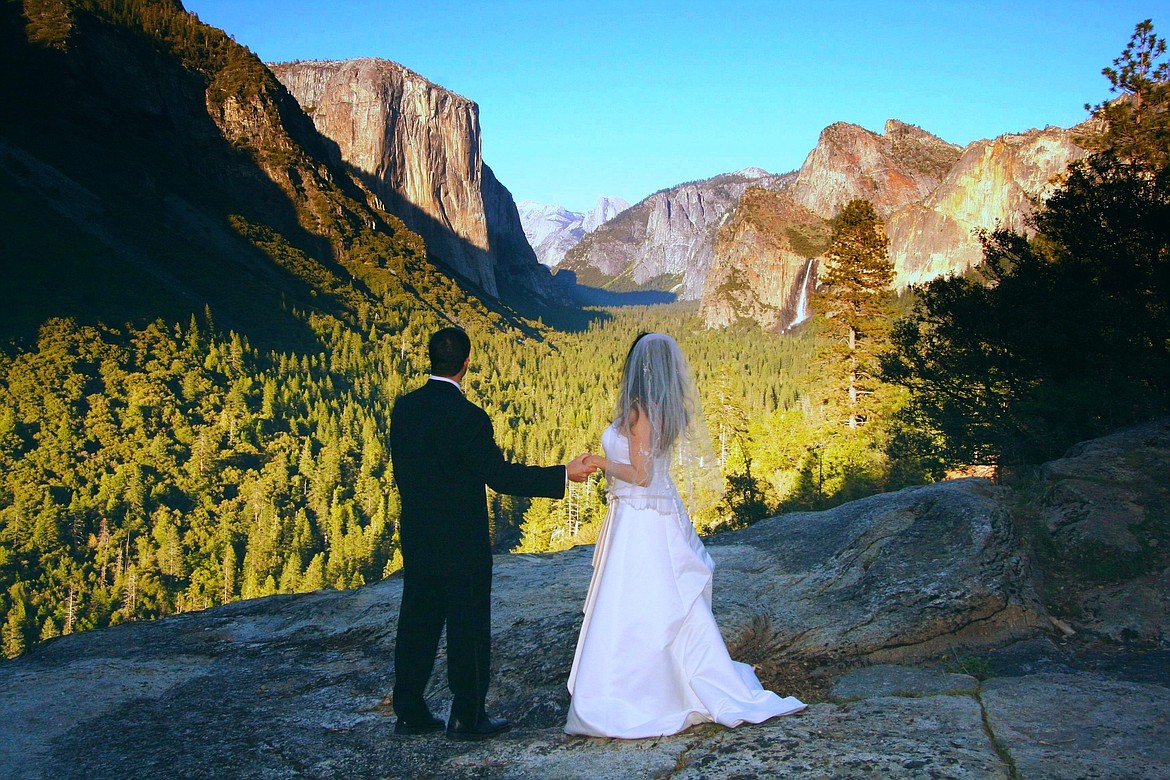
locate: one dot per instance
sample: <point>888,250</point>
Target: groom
<point>444,453</point>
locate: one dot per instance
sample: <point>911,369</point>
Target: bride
<point>650,660</point>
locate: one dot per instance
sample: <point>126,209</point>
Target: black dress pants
<point>463,603</point>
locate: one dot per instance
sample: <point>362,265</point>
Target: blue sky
<point>580,100</point>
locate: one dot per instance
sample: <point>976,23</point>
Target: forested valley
<point>153,470</point>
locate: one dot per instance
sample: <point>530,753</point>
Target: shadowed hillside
<point>157,169</point>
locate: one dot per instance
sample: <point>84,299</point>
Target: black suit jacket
<point>444,452</point>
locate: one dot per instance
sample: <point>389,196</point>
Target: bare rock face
<point>518,274</point>
<point>417,146</point>
<point>869,598</point>
<point>902,166</point>
<point>994,184</point>
<point>667,241</point>
<point>934,196</point>
<point>854,582</point>
<point>763,262</point>
<point>1104,517</point>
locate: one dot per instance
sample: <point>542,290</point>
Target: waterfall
<point>802,301</point>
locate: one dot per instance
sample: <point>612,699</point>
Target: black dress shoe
<point>411,727</point>
<point>483,728</point>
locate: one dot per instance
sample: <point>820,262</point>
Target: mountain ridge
<point>666,241</point>
<point>933,195</point>
<point>553,230</point>
<point>901,165</point>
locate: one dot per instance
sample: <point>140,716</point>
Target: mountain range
<point>157,168</point>
<point>553,230</point>
<point>665,242</point>
<point>745,245</point>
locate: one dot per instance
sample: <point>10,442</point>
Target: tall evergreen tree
<point>16,623</point>
<point>854,298</point>
<point>1136,125</point>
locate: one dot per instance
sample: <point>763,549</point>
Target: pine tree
<point>540,522</point>
<point>49,629</point>
<point>728,419</point>
<point>854,298</point>
<point>1136,126</point>
<point>314,578</point>
<point>15,630</point>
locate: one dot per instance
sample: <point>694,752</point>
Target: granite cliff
<point>417,146</point>
<point>901,166</point>
<point>667,241</point>
<point>995,183</point>
<point>764,262</point>
<point>956,630</point>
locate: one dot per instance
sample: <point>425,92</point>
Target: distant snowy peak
<point>752,172</point>
<point>605,210</point>
<point>553,230</point>
<point>539,220</point>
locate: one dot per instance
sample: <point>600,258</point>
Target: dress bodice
<point>660,494</point>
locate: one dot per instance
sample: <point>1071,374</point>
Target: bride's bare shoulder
<point>633,423</point>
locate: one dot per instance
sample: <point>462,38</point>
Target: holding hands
<point>595,462</point>
<point>581,467</point>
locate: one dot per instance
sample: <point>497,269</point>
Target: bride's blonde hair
<point>657,382</point>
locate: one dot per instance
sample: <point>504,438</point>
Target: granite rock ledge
<point>930,637</point>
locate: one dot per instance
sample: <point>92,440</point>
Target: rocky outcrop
<point>763,263</point>
<point>1103,518</point>
<point>994,184</point>
<point>552,230</point>
<point>417,146</point>
<point>919,625</point>
<point>667,241</point>
<point>854,583</point>
<point>901,166</point>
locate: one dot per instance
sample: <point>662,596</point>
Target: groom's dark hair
<point>448,349</point>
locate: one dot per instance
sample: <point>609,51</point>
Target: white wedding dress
<point>650,659</point>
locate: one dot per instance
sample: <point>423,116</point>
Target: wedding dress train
<point>650,660</point>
